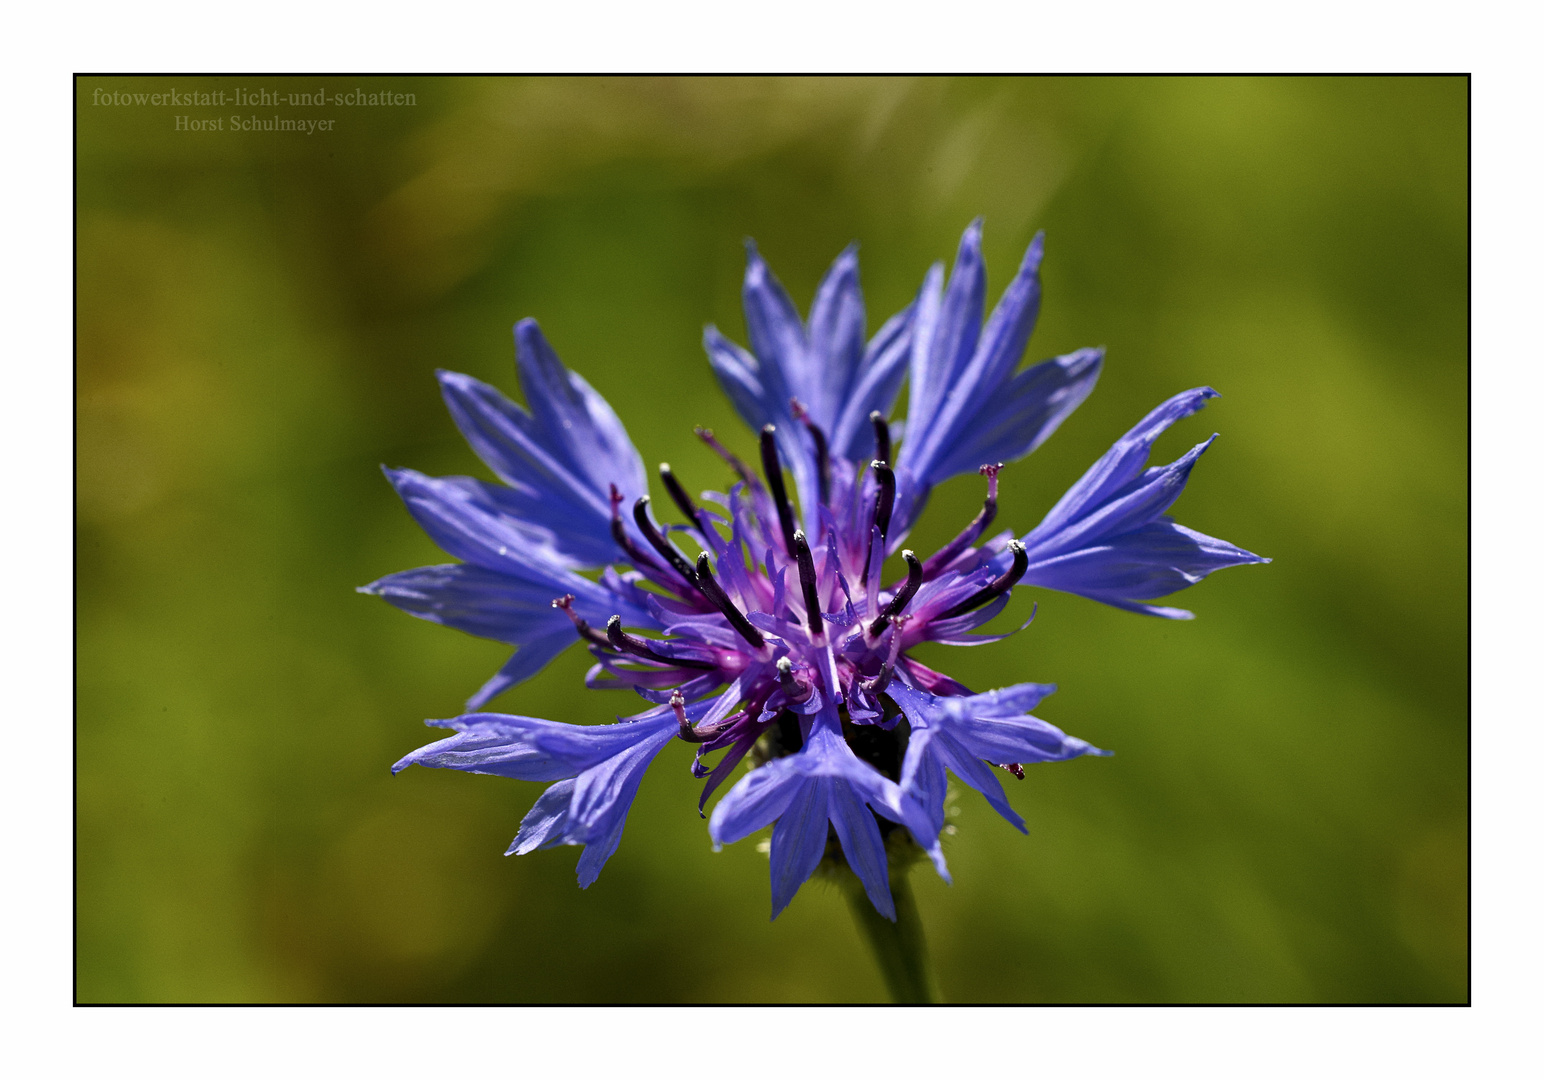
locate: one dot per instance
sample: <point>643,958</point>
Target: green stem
<point>898,946</point>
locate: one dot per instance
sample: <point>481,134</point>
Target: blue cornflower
<point>780,641</point>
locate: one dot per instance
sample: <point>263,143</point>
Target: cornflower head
<point>761,626</point>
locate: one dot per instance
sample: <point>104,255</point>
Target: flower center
<point>779,650</point>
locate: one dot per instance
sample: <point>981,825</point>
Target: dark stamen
<point>886,501</point>
<point>659,543</point>
<point>797,691</point>
<point>881,436</point>
<point>622,641</point>
<point>785,677</point>
<point>883,505</point>
<point>774,470</point>
<point>972,532</point>
<point>715,592</point>
<point>1007,581</point>
<point>635,554</point>
<point>801,553</point>
<point>740,468</point>
<point>1016,769</point>
<point>877,684</point>
<point>565,604</point>
<point>902,598</point>
<point>681,498</point>
<point>822,453</point>
<point>687,732</point>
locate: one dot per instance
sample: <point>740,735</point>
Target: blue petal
<point>826,753</point>
<point>976,774</point>
<point>1106,539</point>
<point>835,340</point>
<point>1128,509</point>
<point>945,337</point>
<point>575,423</point>
<point>1022,414</point>
<point>1122,463</point>
<point>783,790</point>
<point>1006,740</point>
<point>604,793</point>
<point>922,777</point>
<point>742,378</point>
<point>598,849</point>
<point>1015,700</point>
<point>529,659</point>
<point>502,606</point>
<point>968,407</point>
<point>963,377</point>
<point>756,801</point>
<point>542,488</point>
<point>798,839</point>
<point>825,365</point>
<point>864,847</point>
<point>546,825</point>
<point>1155,560</point>
<point>762,383</point>
<point>590,745</point>
<point>874,390</point>
<point>465,518</point>
<point>961,732</point>
<point>478,601</point>
<point>776,332</point>
<point>529,748</point>
<point>600,769</point>
<point>758,389</point>
<point>494,752</point>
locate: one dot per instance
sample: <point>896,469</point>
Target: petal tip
<point>1034,254</point>
<point>531,344</point>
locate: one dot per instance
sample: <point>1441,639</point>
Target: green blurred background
<point>258,321</point>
